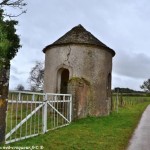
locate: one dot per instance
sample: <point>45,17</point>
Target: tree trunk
<point>4,85</point>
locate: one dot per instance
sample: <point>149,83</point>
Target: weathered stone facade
<point>80,64</point>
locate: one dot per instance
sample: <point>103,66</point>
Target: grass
<point>102,133</point>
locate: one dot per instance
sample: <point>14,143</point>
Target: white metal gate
<point>30,114</point>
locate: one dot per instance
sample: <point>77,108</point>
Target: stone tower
<point>79,64</point>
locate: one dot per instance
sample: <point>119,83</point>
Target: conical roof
<point>78,35</point>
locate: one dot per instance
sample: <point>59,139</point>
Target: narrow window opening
<point>109,85</point>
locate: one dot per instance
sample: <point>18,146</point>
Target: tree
<point>36,78</point>
<point>13,4</point>
<point>9,45</point>
<point>20,87</point>
<point>146,86</point>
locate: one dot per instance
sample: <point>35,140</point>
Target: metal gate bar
<point>30,114</point>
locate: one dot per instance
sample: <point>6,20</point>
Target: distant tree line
<point>125,90</point>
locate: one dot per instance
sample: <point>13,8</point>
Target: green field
<point>102,133</point>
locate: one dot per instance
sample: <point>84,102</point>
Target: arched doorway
<point>64,81</point>
<point>63,78</point>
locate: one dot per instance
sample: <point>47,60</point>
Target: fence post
<point>44,114</point>
<point>19,96</point>
<point>117,102</point>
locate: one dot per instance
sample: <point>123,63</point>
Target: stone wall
<point>81,97</point>
<point>92,63</point>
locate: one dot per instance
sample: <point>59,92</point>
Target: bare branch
<point>12,16</point>
<point>13,3</point>
<point>20,4</point>
<point>36,78</point>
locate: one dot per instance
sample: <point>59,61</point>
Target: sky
<point>122,25</point>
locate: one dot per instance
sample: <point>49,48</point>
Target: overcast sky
<point>122,25</point>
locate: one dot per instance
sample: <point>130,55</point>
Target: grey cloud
<point>132,65</point>
<point>15,70</point>
<point>14,78</point>
<point>126,82</point>
<point>122,25</point>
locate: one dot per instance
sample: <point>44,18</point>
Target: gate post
<point>70,108</point>
<point>44,114</point>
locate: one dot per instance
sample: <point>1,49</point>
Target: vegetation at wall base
<point>105,133</point>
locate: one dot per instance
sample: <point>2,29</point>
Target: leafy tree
<point>146,86</point>
<point>36,78</point>
<point>20,87</point>
<point>9,45</point>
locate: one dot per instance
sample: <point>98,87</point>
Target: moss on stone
<point>79,80</point>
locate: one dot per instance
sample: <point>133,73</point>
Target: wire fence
<point>120,100</point>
